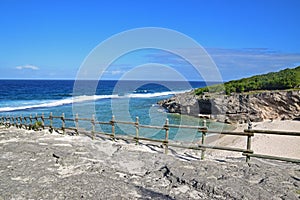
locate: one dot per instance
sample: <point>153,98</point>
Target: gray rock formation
<point>39,165</point>
<point>237,107</point>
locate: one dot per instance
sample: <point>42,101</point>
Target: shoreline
<point>273,145</point>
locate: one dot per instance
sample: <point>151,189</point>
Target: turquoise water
<point>125,100</point>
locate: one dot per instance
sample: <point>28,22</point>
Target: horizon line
<point>37,79</point>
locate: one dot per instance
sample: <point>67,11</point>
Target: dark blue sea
<point>126,100</point>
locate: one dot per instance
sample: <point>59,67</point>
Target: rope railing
<point>38,123</point>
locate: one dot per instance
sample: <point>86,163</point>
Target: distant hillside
<point>284,79</point>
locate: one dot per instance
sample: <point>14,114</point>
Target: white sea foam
<point>54,103</point>
<point>148,95</point>
<point>79,99</point>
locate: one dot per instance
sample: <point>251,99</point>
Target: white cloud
<point>236,63</point>
<point>27,67</point>
<point>116,72</point>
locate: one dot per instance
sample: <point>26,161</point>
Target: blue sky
<point>50,39</point>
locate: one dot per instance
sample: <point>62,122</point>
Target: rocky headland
<point>238,107</point>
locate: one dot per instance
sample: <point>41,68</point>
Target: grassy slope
<point>284,79</point>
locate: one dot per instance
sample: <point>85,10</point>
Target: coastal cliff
<point>237,108</point>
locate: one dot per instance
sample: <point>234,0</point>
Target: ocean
<point>126,100</point>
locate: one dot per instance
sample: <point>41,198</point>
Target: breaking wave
<point>79,99</point>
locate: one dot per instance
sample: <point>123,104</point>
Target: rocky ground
<point>40,165</point>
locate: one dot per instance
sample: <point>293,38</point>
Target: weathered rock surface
<point>39,165</point>
<point>237,107</point>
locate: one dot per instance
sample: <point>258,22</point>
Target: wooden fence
<point>38,122</point>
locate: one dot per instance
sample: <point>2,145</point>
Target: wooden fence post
<point>43,120</point>
<point>4,121</point>
<point>137,130</point>
<point>167,135</point>
<point>63,124</point>
<point>30,123</point>
<point>51,122</point>
<point>6,124</point>
<point>35,124</point>
<point>21,121</point>
<point>249,140</point>
<point>25,122</point>
<point>13,120</point>
<point>17,122</point>
<point>10,121</point>
<point>76,123</point>
<point>93,126</point>
<point>113,127</point>
<point>203,140</point>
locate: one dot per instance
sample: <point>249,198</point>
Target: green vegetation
<point>282,80</point>
<point>37,125</point>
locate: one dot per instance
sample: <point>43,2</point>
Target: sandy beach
<point>276,145</point>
